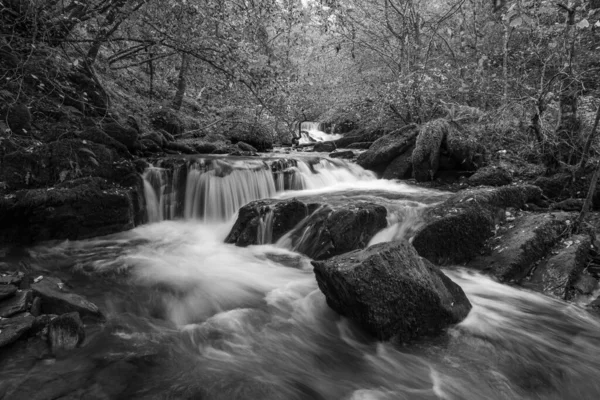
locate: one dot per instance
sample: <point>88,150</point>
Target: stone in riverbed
<point>556,275</point>
<point>7,291</point>
<point>390,291</point>
<point>18,303</point>
<point>283,216</point>
<point>385,149</point>
<point>342,154</point>
<point>515,252</point>
<point>56,299</point>
<point>324,147</point>
<point>66,332</point>
<point>456,230</point>
<point>12,329</point>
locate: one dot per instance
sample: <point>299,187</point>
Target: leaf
<point>583,24</point>
<point>516,22</point>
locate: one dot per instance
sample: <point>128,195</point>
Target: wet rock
<point>19,302</point>
<point>57,299</point>
<point>359,146</point>
<point>168,120</point>
<point>41,322</point>
<point>400,167</point>
<point>515,251</point>
<point>202,147</point>
<point>555,275</point>
<point>246,147</point>
<point>342,154</point>
<point>491,176</point>
<point>12,329</point>
<point>96,135</point>
<point>358,136</point>
<point>324,147</point>
<point>390,291</point>
<point>36,307</point>
<point>180,147</point>
<point>456,230</point>
<point>384,150</point>
<point>77,210</point>
<point>11,280</point>
<point>7,291</point>
<point>265,221</point>
<point>328,232</point>
<point>66,332</point>
<point>585,284</point>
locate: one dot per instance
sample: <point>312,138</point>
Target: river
<point>190,317</point>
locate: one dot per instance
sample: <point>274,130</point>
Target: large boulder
<point>358,136</point>
<point>400,167</point>
<point>385,149</point>
<point>556,274</point>
<point>456,230</point>
<point>265,221</point>
<point>168,120</point>
<point>125,134</point>
<point>12,329</point>
<point>332,231</point>
<point>491,176</point>
<point>74,210</point>
<point>18,303</point>
<point>391,292</point>
<point>58,299</point>
<point>256,135</point>
<point>528,239</point>
<point>55,162</point>
<point>316,231</point>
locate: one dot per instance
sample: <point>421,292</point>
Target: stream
<point>190,317</point>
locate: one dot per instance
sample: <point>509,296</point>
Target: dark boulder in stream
<point>390,291</point>
<point>385,149</point>
<point>456,230</point>
<point>265,221</point>
<point>317,231</point>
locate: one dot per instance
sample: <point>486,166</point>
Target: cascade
<point>212,189</point>
<point>311,132</point>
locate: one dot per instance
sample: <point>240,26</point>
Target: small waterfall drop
<point>311,132</point>
<point>211,189</point>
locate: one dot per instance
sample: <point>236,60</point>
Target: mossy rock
<point>168,120</point>
<point>256,135</point>
<point>90,207</point>
<point>456,230</point>
<point>426,155</point>
<point>56,162</point>
<point>385,149</point>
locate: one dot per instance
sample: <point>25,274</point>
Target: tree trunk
<point>181,83</point>
<point>568,125</point>
<point>587,204</point>
<point>588,143</point>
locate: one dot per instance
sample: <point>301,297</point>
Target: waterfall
<point>211,189</point>
<point>311,132</point>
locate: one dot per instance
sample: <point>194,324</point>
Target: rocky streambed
<point>291,294</point>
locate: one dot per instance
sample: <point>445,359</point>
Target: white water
<point>189,316</point>
<point>215,189</point>
<point>315,134</point>
<point>250,323</point>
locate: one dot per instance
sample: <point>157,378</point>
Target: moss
<point>425,158</point>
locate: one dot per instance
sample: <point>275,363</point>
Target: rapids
<point>190,317</point>
<point>311,132</point>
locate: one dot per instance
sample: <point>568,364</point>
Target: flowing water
<point>190,317</point>
<point>310,132</point>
